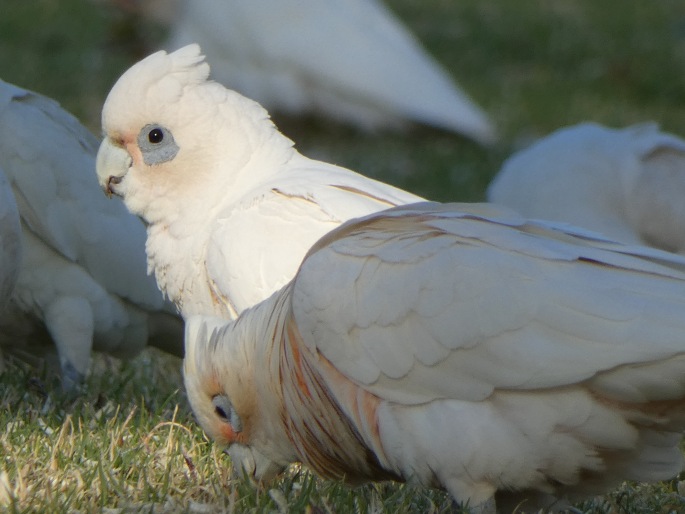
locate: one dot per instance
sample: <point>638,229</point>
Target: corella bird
<point>10,242</point>
<point>231,207</point>
<point>628,184</point>
<point>456,346</point>
<point>83,272</point>
<point>352,60</point>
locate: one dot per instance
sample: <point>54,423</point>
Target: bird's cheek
<point>228,434</point>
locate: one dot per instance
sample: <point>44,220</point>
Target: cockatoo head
<point>220,381</point>
<point>174,139</point>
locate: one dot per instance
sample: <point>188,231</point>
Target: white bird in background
<point>231,207</point>
<point>10,242</point>
<point>352,60</point>
<point>83,272</point>
<point>628,184</point>
<point>456,346</point>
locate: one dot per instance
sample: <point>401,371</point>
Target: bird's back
<point>625,183</point>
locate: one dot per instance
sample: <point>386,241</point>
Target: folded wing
<point>453,301</point>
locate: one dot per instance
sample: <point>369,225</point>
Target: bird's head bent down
<point>220,387</point>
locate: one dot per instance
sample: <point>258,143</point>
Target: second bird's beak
<point>112,164</point>
<point>249,461</point>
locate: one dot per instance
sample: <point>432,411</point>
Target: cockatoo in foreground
<point>10,242</point>
<point>352,60</point>
<point>231,207</point>
<point>83,272</point>
<point>628,184</point>
<point>456,346</point>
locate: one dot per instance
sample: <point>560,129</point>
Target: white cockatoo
<point>83,273</point>
<point>352,60</point>
<point>10,242</point>
<point>231,207</point>
<point>628,184</point>
<point>456,346</point>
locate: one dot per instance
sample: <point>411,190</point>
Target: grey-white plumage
<point>10,241</point>
<point>627,184</point>
<point>83,272</point>
<point>352,60</point>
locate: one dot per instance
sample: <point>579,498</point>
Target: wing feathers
<point>458,307</point>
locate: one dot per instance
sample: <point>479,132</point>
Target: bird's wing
<point>49,158</point>
<point>455,301</point>
<point>257,247</point>
<point>10,240</point>
<point>354,59</point>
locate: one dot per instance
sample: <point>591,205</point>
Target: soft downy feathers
<point>461,347</point>
<point>231,207</point>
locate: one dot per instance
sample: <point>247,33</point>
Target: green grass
<point>129,443</point>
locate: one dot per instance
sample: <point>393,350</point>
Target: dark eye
<point>224,409</point>
<point>156,135</point>
<point>221,412</point>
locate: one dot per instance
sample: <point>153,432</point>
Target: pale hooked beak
<point>112,164</point>
<point>249,461</point>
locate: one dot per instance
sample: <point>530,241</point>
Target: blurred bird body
<point>231,207</point>
<point>460,347</point>
<point>627,184</point>
<point>10,241</point>
<point>352,60</point>
<point>83,272</point>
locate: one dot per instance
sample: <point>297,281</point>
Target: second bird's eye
<point>221,412</point>
<point>222,407</point>
<point>156,135</point>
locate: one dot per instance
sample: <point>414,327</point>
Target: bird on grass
<point>627,184</point>
<point>230,206</point>
<point>351,60</point>
<point>83,275</point>
<point>10,246</point>
<point>10,242</point>
<point>456,346</point>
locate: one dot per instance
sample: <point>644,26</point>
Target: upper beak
<point>249,461</point>
<point>112,164</point>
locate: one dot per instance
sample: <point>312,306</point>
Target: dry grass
<point>128,443</point>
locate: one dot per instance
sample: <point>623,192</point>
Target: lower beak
<point>112,164</point>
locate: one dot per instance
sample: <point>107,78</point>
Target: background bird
<point>83,273</point>
<point>10,242</point>
<point>10,245</point>
<point>230,206</point>
<point>628,183</point>
<point>352,60</point>
<point>456,346</point>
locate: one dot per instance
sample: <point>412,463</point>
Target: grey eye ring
<point>157,144</point>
